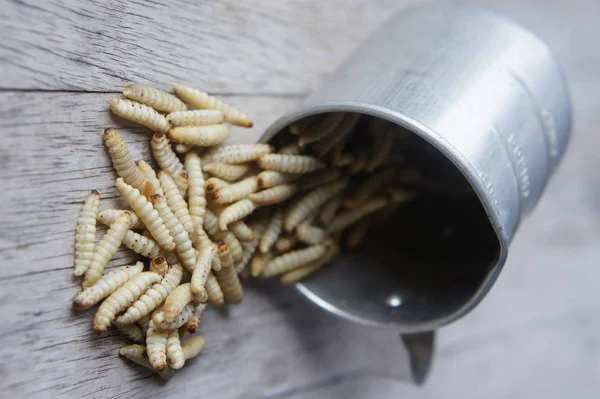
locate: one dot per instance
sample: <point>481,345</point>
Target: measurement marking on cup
<point>524,179</point>
<point>550,128</point>
<point>485,178</point>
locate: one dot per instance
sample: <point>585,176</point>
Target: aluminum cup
<point>487,101</point>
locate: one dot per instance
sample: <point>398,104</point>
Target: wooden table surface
<point>535,335</point>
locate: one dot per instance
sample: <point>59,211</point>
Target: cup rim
<point>454,156</point>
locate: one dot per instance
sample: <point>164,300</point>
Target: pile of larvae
<point>214,214</point>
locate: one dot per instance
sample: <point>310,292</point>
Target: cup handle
<point>420,347</point>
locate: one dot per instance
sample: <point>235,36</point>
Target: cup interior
<point>419,266</point>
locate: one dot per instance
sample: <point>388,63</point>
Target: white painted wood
<point>536,335</point>
<point>257,46</point>
<point>52,155</point>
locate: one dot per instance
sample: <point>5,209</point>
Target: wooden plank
<point>53,154</point>
<point>222,46</point>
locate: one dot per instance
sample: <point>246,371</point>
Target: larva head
<point>222,246</point>
<point>215,196</point>
<point>158,136</point>
<point>159,265</point>
<point>134,90</point>
<point>95,193</point>
<point>114,102</point>
<point>184,176</point>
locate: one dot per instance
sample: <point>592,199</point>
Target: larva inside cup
<point>423,248</point>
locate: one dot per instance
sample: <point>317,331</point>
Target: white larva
<point>352,215</point>
<point>237,153</point>
<point>274,195</point>
<point>215,184</point>
<point>285,243</point>
<point>311,202</point>
<point>137,354</point>
<point>318,178</point>
<point>158,317</point>
<point>241,231</point>
<point>122,160</point>
<point>147,214</point>
<point>106,285</point>
<point>201,100</point>
<point>202,117</point>
<point>230,285</point>
<point>194,322</point>
<point>106,248</point>
<point>165,157</point>
<point>303,124</point>
<point>336,151</point>
<point>152,184</point>
<point>144,322</point>
<point>323,146</point>
<point>235,191</point>
<point>213,289</point>
<point>300,273</point>
<point>368,187</point>
<point>321,129</point>
<point>227,172</point>
<point>155,98</point>
<point>271,178</point>
<point>291,149</point>
<point>183,243</point>
<point>140,244</point>
<point>196,195</point>
<point>330,209</point>
<point>107,216</point>
<point>290,163</point>
<point>344,160</point>
<point>258,227</point>
<point>236,211</point>
<point>258,263</point>
<point>359,164</point>
<point>131,331</point>
<point>357,233</point>
<point>159,265</point>
<point>272,231</point>
<point>139,113</point>
<point>85,232</point>
<point>225,255</point>
<point>309,234</point>
<point>156,347</point>
<point>193,347</point>
<point>174,351</point>
<point>234,245</point>
<point>181,182</point>
<point>178,299</point>
<point>212,228</point>
<point>202,136</point>
<point>296,275</point>
<point>294,259</point>
<point>380,150</point>
<point>175,201</point>
<point>153,297</point>
<point>182,148</point>
<point>399,195</point>
<point>201,270</point>
<point>122,298</point>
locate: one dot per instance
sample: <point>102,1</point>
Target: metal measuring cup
<point>484,100</point>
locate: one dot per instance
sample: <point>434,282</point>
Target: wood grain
<point>535,335</point>
<point>259,46</point>
<point>53,156</point>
